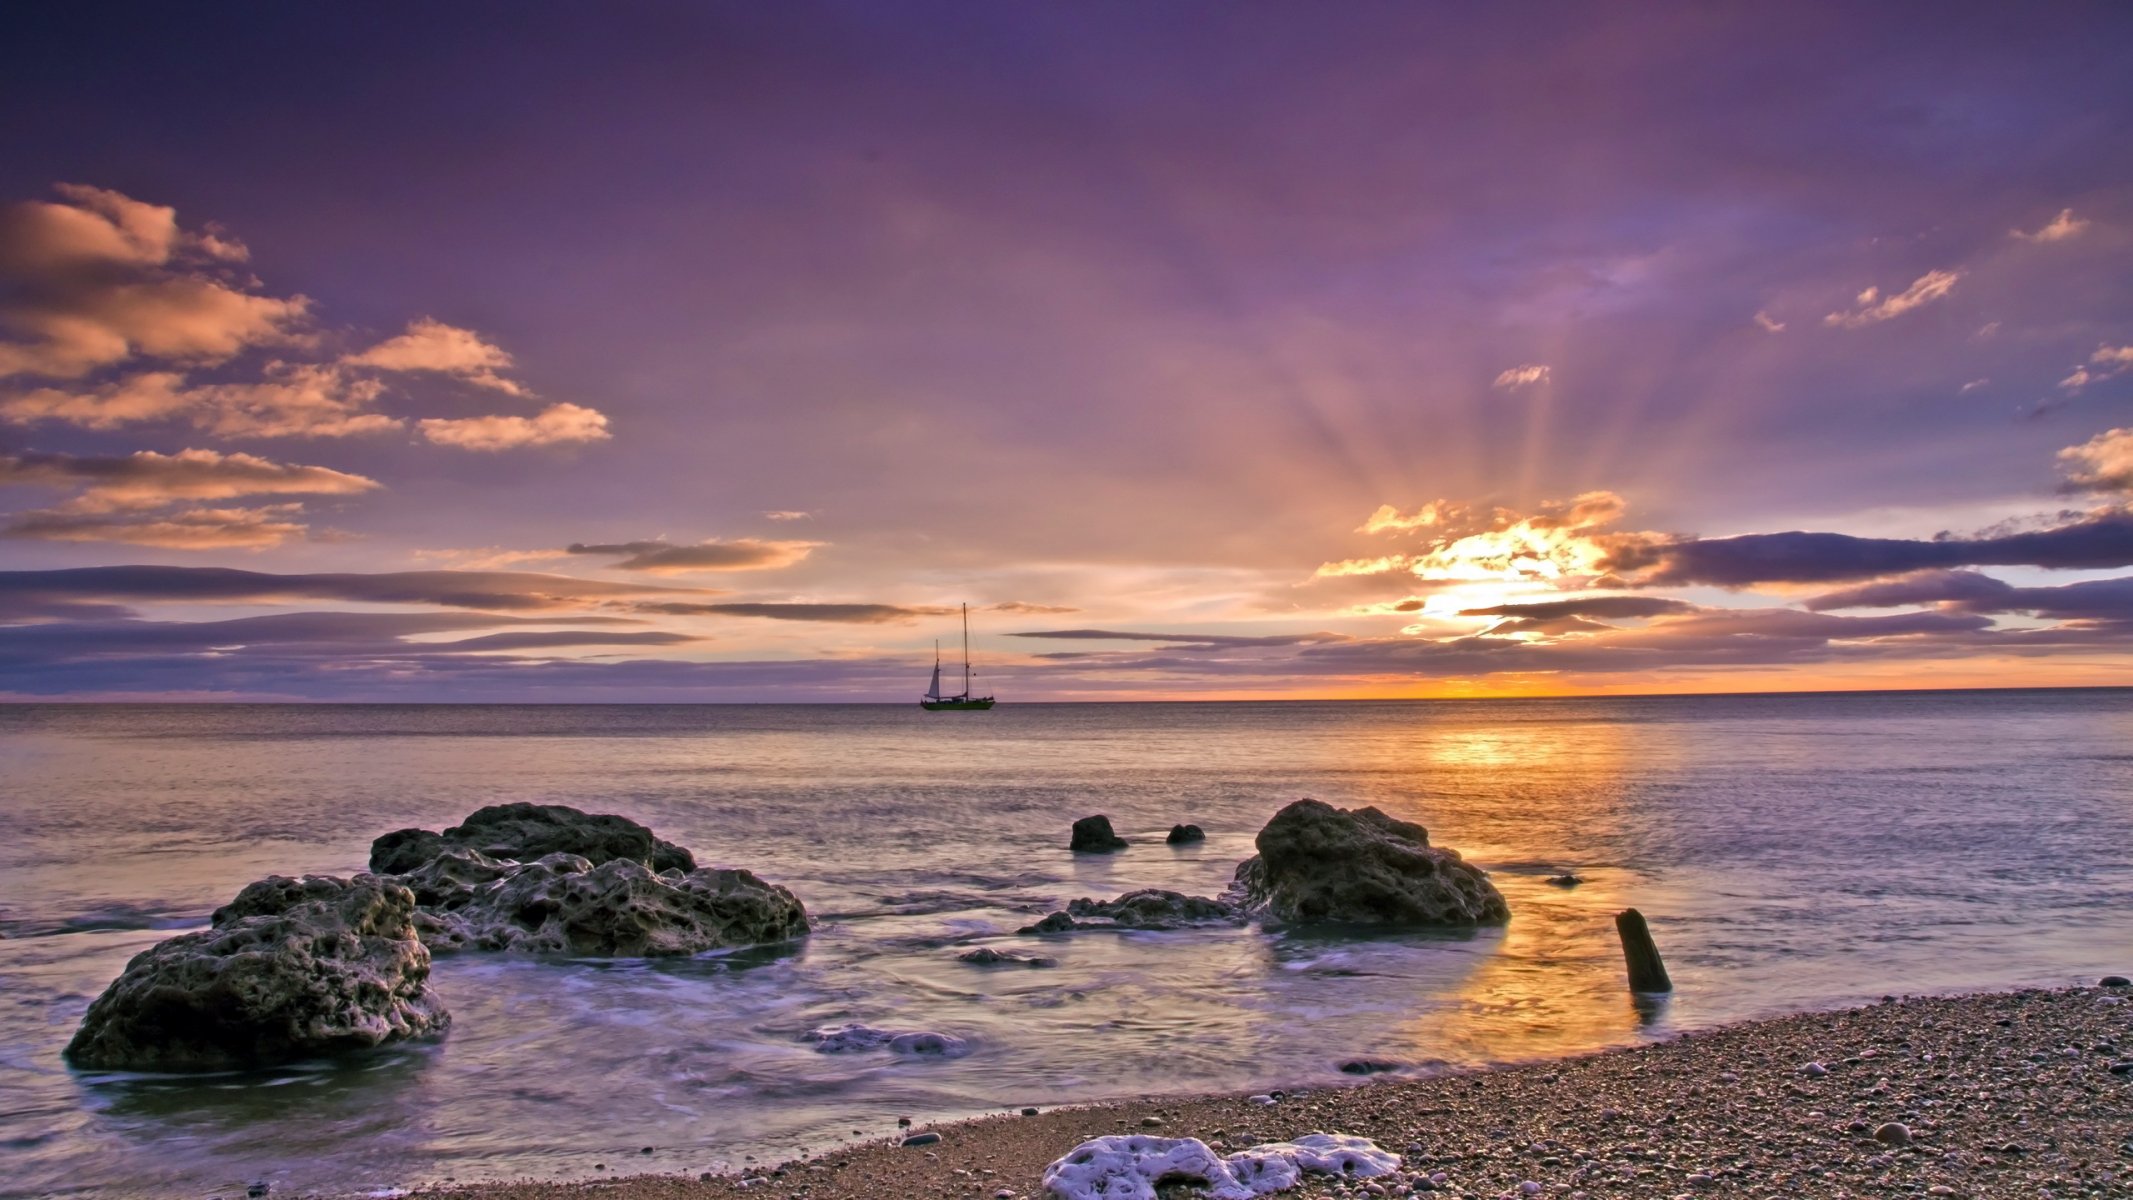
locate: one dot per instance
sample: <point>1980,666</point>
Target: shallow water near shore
<point>1792,851</point>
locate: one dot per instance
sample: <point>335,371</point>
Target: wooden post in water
<point>1647,973</point>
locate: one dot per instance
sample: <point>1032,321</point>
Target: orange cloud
<point>431,345</point>
<point>1873,307</point>
<point>555,425</point>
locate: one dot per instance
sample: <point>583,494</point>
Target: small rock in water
<point>1566,880</point>
<point>1029,1112</point>
<point>921,1139</point>
<point>2114,981</point>
<point>1093,835</point>
<point>257,1190</point>
<point>903,1122</point>
<point>646,1150</point>
<point>1181,834</point>
<point>1367,1066</point>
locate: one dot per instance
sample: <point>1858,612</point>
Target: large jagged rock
<point>291,969</point>
<point>526,832</point>
<point>565,904</point>
<point>1318,864</point>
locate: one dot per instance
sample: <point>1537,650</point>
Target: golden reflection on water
<point>1553,981</point>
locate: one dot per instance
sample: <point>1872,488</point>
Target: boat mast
<point>966,649</point>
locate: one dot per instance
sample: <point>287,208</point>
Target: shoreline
<point>2026,1092</point>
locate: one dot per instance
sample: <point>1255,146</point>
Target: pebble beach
<point>2026,1093</point>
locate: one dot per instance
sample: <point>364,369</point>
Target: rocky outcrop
<point>1149,908</point>
<point>565,904</point>
<point>1092,835</point>
<point>853,1038</point>
<point>1318,864</point>
<point>291,969</point>
<point>1182,834</point>
<point>527,832</point>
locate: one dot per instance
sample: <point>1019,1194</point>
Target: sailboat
<point>933,701</point>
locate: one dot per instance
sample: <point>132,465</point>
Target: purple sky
<point>717,351</point>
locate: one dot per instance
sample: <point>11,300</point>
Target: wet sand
<point>2009,1094</point>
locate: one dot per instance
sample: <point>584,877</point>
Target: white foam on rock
<point>1130,1166</point>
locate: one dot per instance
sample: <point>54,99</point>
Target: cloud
<point>146,498</point>
<point>2104,539</point>
<point>1018,606</point>
<point>1769,323</point>
<point>1521,376</point>
<point>736,554</point>
<point>2104,463</point>
<point>146,478</point>
<point>1604,607</point>
<point>1468,544</point>
<point>179,529</point>
<point>2107,600</point>
<point>2058,229</point>
<point>1873,307</point>
<point>2107,363</point>
<point>558,424</point>
<point>786,514</point>
<point>431,345</point>
<point>98,277</point>
<point>504,591</point>
<point>1184,639</point>
<point>840,614</point>
<point>287,400</point>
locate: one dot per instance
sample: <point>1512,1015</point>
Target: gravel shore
<point>2010,1094</point>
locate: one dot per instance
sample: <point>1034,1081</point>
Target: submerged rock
<point>1181,834</point>
<point>1566,880</point>
<point>986,956</point>
<point>1093,835</point>
<point>565,904</point>
<point>1321,864</point>
<point>847,1039</point>
<point>1133,1166</point>
<point>1154,908</point>
<point>291,969</point>
<point>527,832</point>
<point>1149,908</point>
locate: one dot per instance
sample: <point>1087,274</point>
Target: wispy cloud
<point>2058,229</point>
<point>1525,375</point>
<point>2104,463</point>
<point>1769,323</point>
<point>1872,307</point>
<point>151,499</point>
<point>732,554</point>
<point>2108,362</point>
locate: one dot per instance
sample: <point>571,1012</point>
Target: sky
<point>721,351</point>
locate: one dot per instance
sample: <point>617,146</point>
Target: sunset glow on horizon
<point>1205,352</point>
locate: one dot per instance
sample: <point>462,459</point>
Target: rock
<point>1057,922</point>
<point>2114,981</point>
<point>291,969</point>
<point>1029,1112</point>
<point>854,1038</point>
<point>565,904</point>
<point>921,1139</point>
<point>1092,835</point>
<point>1181,834</point>
<point>1565,880</point>
<point>527,832</point>
<point>1153,908</point>
<point>1320,864</point>
<point>1814,1070</point>
<point>986,956</point>
<point>1367,1066</point>
<point>1893,1133</point>
<point>1151,1122</point>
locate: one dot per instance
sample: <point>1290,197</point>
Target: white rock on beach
<point>1128,1166</point>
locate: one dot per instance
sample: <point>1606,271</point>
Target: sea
<point>1791,852</point>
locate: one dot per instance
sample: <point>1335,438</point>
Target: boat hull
<point>957,704</point>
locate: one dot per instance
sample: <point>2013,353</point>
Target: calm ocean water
<point>1792,851</point>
